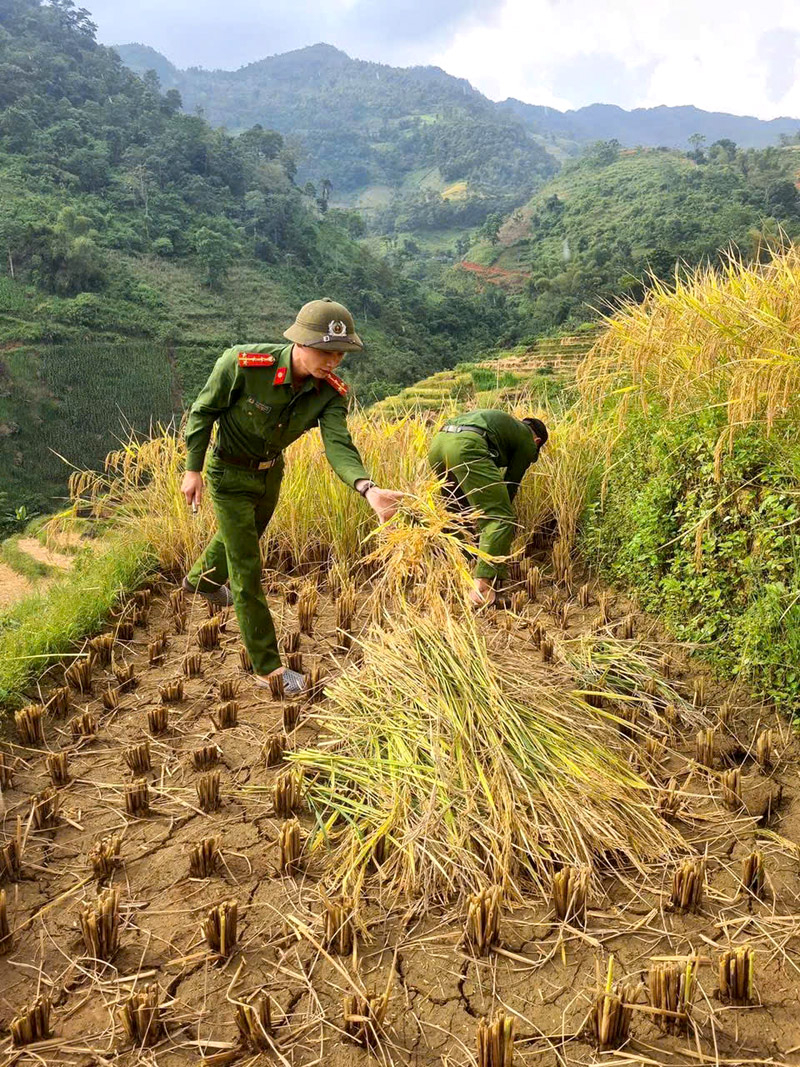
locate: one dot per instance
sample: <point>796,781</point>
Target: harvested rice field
<point>194,870</point>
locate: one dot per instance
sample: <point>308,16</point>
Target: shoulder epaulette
<point>336,382</point>
<point>254,359</point>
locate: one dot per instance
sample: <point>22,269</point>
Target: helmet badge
<point>337,328</point>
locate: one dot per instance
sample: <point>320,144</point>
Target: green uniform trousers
<point>244,502</point>
<point>473,480</point>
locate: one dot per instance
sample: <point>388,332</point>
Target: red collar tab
<point>253,359</point>
<point>336,382</point>
<point>280,376</point>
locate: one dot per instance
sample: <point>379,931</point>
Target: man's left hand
<point>384,502</point>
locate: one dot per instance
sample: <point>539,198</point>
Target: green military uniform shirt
<point>511,442</point>
<point>250,394</point>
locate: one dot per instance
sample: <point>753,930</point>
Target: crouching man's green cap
<point>326,325</point>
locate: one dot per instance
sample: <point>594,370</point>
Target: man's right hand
<point>192,487</point>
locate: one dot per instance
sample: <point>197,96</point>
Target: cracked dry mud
<point>544,972</point>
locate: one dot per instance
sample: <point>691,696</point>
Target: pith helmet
<point>326,325</point>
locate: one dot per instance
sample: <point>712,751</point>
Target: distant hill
<point>649,126</point>
<point>364,124</point>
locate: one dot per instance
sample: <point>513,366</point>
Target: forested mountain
<point>595,232</point>
<point>124,221</point>
<point>672,127</point>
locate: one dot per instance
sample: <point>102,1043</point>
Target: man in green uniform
<point>263,398</point>
<point>470,452</point>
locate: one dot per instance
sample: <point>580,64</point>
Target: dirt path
<point>13,587</point>
<point>31,546</point>
<point>544,971</point>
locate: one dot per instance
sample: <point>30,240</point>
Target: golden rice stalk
<point>101,648</point>
<point>706,747</point>
<point>670,988</point>
<point>653,752</point>
<point>208,795</point>
<point>672,716</point>
<point>203,858</point>
<point>725,714</point>
<point>570,894</point>
<point>216,609</point>
<point>208,634</point>
<point>291,641</point>
<point>32,1024</point>
<point>6,773</point>
<point>156,650</point>
<point>626,629</point>
<point>254,1021</point>
<point>205,757</point>
<point>137,798</point>
<point>30,724</point>
<point>83,725</point>
<point>140,1017</point>
<point>307,603</point>
<point>290,847</point>
<point>45,807</point>
<point>181,622</point>
<point>604,603</point>
<point>294,661</point>
<point>363,1018</point>
<point>496,1041</point>
<point>274,748</point>
<point>533,579</point>
<point>339,928</point>
<point>287,792</point>
<point>110,698</point>
<point>699,691</point>
<point>346,606</point>
<point>753,874</point>
<point>316,684</point>
<point>562,561</point>
<point>220,928</point>
<point>612,1011</point>
<point>731,785</point>
<point>79,675</point>
<point>100,925</point>
<point>158,719</point>
<point>143,598</point>
<point>139,615</point>
<point>177,601</point>
<point>228,688</point>
<point>126,679</point>
<point>138,758</point>
<point>291,593</point>
<point>669,800</point>
<point>245,662</point>
<point>546,648</point>
<point>171,692</point>
<point>736,967</point>
<point>688,884</point>
<point>58,768</point>
<point>482,927</point>
<point>537,633</point>
<point>584,596</point>
<point>665,665</point>
<point>291,717</point>
<point>228,714</point>
<point>518,601</point>
<point>105,856</point>
<point>276,686</point>
<point>6,940</point>
<point>11,855</point>
<point>765,749</point>
<point>124,630</point>
<point>59,701</point>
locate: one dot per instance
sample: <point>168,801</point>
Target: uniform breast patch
<point>254,359</point>
<point>336,382</point>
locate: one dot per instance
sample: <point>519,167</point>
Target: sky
<point>720,55</point>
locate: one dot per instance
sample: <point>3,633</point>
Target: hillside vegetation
<point>597,231</point>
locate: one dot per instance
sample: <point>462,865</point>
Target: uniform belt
<point>484,433</point>
<point>248,464</point>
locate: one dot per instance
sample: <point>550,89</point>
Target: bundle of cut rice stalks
<point>437,764</point>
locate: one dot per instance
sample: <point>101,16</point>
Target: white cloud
<point>703,54</point>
